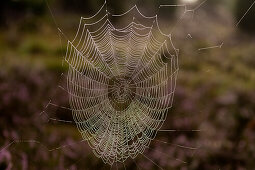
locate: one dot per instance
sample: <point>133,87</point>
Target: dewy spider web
<point>121,82</point>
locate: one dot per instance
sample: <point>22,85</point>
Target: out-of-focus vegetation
<point>215,88</point>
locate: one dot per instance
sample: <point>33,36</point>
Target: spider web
<point>121,83</point>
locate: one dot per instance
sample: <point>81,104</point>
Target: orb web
<point>121,82</point>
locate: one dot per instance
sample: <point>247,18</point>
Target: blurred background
<point>215,87</point>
